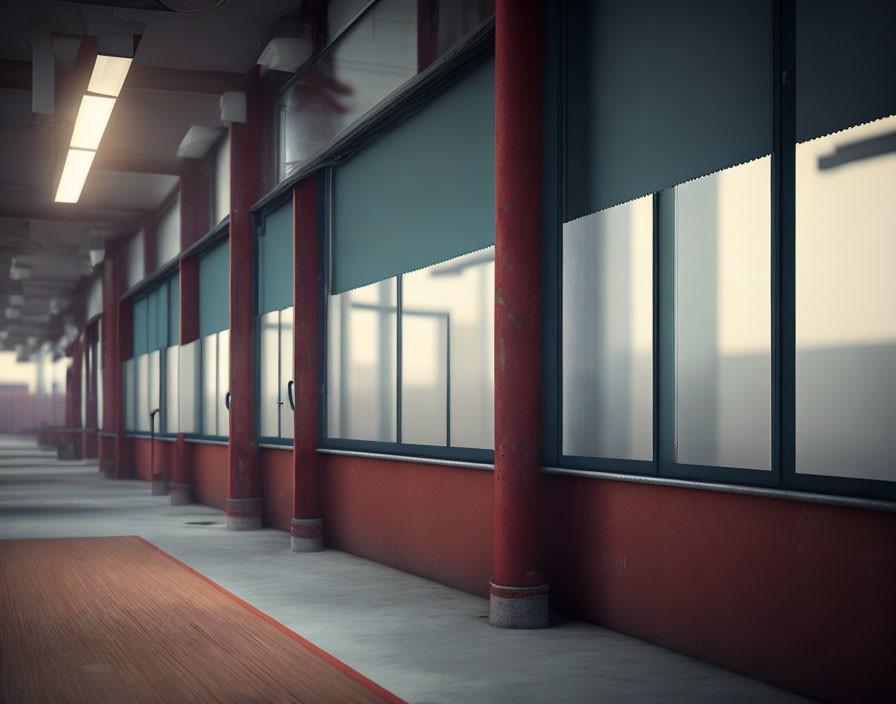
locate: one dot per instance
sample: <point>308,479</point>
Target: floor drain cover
<point>200,523</point>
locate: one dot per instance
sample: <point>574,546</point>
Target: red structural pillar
<point>518,592</point>
<point>91,420</point>
<point>123,464</point>
<point>243,484</point>
<point>194,210</point>
<point>307,529</point>
<point>73,404</point>
<point>181,474</point>
<point>109,444</point>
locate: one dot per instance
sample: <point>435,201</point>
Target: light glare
<point>93,115</point>
<point>108,75</point>
<point>74,173</point>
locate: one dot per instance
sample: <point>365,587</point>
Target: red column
<point>91,350</point>
<point>125,339</point>
<point>73,404</point>
<point>519,595</point>
<point>243,485</point>
<point>307,529</point>
<point>193,203</point>
<point>181,473</point>
<point>111,369</point>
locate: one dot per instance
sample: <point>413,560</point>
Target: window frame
<point>258,229</point>
<point>397,447</point>
<point>162,280</point>
<point>783,303</point>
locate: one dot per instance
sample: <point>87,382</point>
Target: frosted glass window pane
<point>223,381</point>
<point>424,376</point>
<point>286,371</point>
<point>222,182</point>
<point>171,390</point>
<point>846,303</point>
<point>452,301</point>
<point>95,298</point>
<point>155,385</point>
<point>142,406</point>
<point>268,410</point>
<point>189,387</point>
<point>168,234</point>
<point>210,385</point>
<point>362,362</point>
<point>723,317</point>
<point>128,369</point>
<point>607,335</point>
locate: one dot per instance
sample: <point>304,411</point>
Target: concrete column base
<point>243,514</point>
<point>518,607</point>
<point>159,487</point>
<point>244,523</point>
<point>181,494</point>
<point>306,534</point>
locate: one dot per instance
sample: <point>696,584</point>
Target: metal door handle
<point>227,400</point>
<point>292,399</point>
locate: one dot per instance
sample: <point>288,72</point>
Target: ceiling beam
<point>175,80</point>
<point>106,160</point>
<point>66,213</point>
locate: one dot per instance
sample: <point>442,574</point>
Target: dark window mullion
<point>398,357</point>
<point>783,243</point>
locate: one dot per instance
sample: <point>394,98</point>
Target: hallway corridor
<point>424,642</point>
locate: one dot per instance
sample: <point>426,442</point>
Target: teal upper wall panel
<point>214,290</point>
<point>659,93</point>
<point>275,278</point>
<point>423,192</point>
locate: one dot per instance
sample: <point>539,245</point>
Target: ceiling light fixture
<point>113,61</point>
<point>74,174</point>
<point>93,116</point>
<point>108,75</point>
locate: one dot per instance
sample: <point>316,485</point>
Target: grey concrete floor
<point>425,642</point>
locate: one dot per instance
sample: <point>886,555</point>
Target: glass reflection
<point>286,372</point>
<point>846,303</point>
<point>361,363</point>
<point>209,385</point>
<point>155,389</point>
<point>386,46</point>
<point>447,377</point>
<point>269,398</point>
<point>723,318</point>
<point>142,405</point>
<point>188,391</point>
<point>171,390</point>
<point>607,337</point>
<point>223,382</point>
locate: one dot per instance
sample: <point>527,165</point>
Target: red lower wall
<point>797,594</point>
<point>144,464</point>
<point>208,473</point>
<point>432,521</point>
<point>276,486</point>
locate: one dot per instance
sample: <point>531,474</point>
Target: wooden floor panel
<point>118,620</point>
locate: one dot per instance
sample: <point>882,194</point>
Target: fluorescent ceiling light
<point>93,115</point>
<point>108,75</point>
<point>74,173</point>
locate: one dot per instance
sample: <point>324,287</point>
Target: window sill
<point>408,458</point>
<point>832,500</point>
